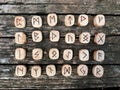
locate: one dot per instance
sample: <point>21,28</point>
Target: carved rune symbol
<point>101,38</point>
<point>82,70</point>
<point>54,36</point>
<point>66,70</point>
<point>85,55</point>
<point>36,54</point>
<point>85,37</point>
<point>54,53</point>
<point>70,19</point>
<point>36,35</point>
<point>98,71</point>
<point>19,22</point>
<point>50,69</point>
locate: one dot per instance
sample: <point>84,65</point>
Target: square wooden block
<point>84,37</point>
<point>53,53</point>
<point>36,21</point>
<point>52,19</point>
<point>20,38</point>
<point>20,70</point>
<point>67,54</point>
<point>20,54</point>
<point>37,53</point>
<point>84,55</point>
<point>99,55</point>
<point>98,71</point>
<point>70,38</point>
<point>83,20</point>
<point>82,70</point>
<point>50,70</point>
<point>37,36</point>
<point>99,20</point>
<point>99,38</point>
<point>54,36</point>
<point>36,71</point>
<point>19,22</point>
<point>69,20</point>
<point>66,70</point>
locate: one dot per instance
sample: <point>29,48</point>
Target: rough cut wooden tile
<point>20,70</point>
<point>37,36</point>
<point>82,70</point>
<point>20,38</point>
<point>36,21</point>
<point>19,22</point>
<point>100,38</point>
<point>52,19</point>
<point>37,53</point>
<point>99,20</point>
<point>68,54</point>
<point>98,71</point>
<point>83,20</point>
<point>36,71</point>
<point>70,38</point>
<point>54,36</point>
<point>69,20</point>
<point>66,70</point>
<point>50,70</point>
<point>20,54</point>
<point>53,53</point>
<point>84,55</point>
<point>84,37</point>
<point>99,55</point>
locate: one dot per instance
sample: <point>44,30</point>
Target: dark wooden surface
<point>27,8</point>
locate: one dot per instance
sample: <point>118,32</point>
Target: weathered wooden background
<point>27,8</point>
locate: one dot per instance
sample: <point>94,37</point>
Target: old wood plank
<point>8,47</point>
<point>58,2</point>
<point>58,81</point>
<point>28,8</point>
<point>8,20</point>
<point>39,84</point>
<point>95,8</point>
<point>8,71</point>
<point>47,1</point>
<point>110,58</point>
<point>10,31</point>
<point>7,28</point>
